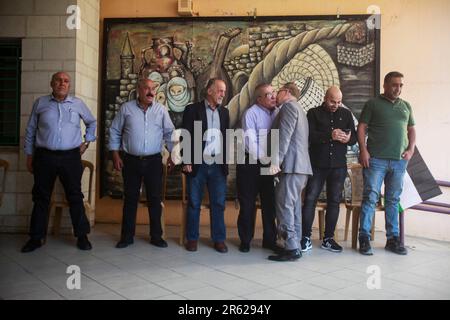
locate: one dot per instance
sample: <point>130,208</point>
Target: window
<point>10,51</point>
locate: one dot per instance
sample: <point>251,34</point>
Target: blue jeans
<point>335,178</point>
<point>392,173</point>
<point>213,177</point>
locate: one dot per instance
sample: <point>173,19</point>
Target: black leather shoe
<point>287,255</point>
<point>83,243</point>
<point>31,245</point>
<point>161,243</point>
<point>124,243</point>
<point>274,247</point>
<point>244,247</point>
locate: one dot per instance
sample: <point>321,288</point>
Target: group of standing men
<point>311,150</point>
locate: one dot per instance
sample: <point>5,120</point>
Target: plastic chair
<point>60,205</point>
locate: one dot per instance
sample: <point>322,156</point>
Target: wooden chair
<point>145,203</point>
<point>5,166</point>
<point>353,203</point>
<point>184,205</point>
<point>321,208</point>
<point>59,205</point>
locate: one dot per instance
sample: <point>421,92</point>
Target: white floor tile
<point>143,271</point>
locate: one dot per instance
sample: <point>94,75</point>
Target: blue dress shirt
<point>139,132</point>
<point>257,123</point>
<point>55,125</point>
<point>213,145</point>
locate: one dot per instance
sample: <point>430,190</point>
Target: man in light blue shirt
<point>257,122</point>
<point>139,130</point>
<point>53,147</point>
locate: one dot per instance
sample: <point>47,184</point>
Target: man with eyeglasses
<point>256,123</point>
<point>139,129</point>
<point>294,167</point>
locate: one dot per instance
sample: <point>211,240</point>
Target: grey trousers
<point>288,208</point>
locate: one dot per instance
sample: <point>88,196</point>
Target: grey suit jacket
<point>293,155</point>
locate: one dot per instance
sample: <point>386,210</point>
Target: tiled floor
<point>143,271</point>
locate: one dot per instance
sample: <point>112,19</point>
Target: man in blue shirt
<point>53,147</point>
<point>256,123</point>
<point>138,130</point>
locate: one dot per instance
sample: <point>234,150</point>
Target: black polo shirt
<point>323,151</point>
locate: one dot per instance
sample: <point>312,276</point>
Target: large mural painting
<point>180,55</point>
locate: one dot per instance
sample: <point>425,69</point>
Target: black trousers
<point>135,170</point>
<point>250,183</point>
<point>47,165</point>
<point>335,179</point>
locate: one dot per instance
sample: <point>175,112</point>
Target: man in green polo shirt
<point>389,123</point>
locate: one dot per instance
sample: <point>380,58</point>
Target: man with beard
<point>331,129</point>
<point>390,145</point>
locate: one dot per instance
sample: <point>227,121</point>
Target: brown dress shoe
<point>191,245</point>
<point>220,247</point>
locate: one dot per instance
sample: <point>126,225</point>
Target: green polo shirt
<point>388,124</point>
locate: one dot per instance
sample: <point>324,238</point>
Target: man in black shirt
<point>331,129</point>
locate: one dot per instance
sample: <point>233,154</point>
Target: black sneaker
<point>364,247</point>
<point>395,246</point>
<point>306,244</point>
<point>331,245</point>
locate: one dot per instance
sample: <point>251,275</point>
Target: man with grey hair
<point>138,130</point>
<point>294,167</point>
<point>53,147</point>
<point>256,123</point>
<point>212,170</point>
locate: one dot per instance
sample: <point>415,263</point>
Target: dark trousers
<point>47,165</point>
<point>335,178</point>
<point>250,183</point>
<point>134,171</point>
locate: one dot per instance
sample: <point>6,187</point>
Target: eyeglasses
<point>270,94</point>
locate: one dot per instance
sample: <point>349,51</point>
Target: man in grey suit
<point>294,167</point>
